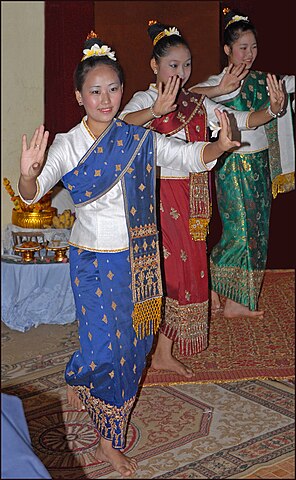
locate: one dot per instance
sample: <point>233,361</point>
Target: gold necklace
<point>88,129</point>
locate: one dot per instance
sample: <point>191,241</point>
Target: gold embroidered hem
<point>241,286</point>
<point>283,183</point>
<point>187,325</point>
<point>146,317</point>
<point>199,228</point>
<point>110,420</point>
<point>82,247</point>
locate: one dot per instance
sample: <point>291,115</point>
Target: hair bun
<point>92,39</point>
<point>231,17</point>
<point>155,28</point>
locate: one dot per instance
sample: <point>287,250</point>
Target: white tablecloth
<point>32,294</point>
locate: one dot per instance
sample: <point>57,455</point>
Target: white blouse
<point>101,225</point>
<point>256,140</point>
<point>142,100</point>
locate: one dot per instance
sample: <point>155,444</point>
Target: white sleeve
<point>212,81</point>
<point>289,81</point>
<point>176,154</point>
<point>139,101</point>
<point>240,117</point>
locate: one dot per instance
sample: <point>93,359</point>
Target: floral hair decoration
<point>237,18</point>
<point>95,50</point>
<point>166,32</point>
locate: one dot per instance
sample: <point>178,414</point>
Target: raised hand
<point>225,141</point>
<point>276,93</point>
<point>165,102</point>
<point>234,74</point>
<point>32,157</point>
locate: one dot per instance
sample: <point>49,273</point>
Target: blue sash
<point>126,153</point>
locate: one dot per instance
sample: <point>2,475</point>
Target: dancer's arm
<point>164,104</point>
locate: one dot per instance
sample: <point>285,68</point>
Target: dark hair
<point>166,42</point>
<point>233,31</point>
<point>91,62</point>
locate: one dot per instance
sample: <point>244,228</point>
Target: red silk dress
<point>184,218</point>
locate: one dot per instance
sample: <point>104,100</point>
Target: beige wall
<point>22,85</point>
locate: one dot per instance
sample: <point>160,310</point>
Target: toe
<point>134,462</point>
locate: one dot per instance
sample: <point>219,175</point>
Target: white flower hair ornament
<point>215,129</point>
<point>96,51</point>
<point>167,32</point>
<point>172,31</point>
<point>237,18</point>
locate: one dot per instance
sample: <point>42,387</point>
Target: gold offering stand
<point>27,252</point>
<point>59,248</point>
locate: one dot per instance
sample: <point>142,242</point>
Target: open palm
<point>32,157</point>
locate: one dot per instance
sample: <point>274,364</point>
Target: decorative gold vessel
<point>40,219</point>
<point>59,248</point>
<point>27,253</point>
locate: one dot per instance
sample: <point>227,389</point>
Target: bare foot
<point>120,462</point>
<point>73,399</point>
<point>233,309</point>
<point>172,364</point>
<point>215,301</point>
<point>164,360</point>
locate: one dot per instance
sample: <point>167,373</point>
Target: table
<point>50,234</point>
<point>34,294</point>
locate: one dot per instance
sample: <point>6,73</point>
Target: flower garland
<point>21,206</point>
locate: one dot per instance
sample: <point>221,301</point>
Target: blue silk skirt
<point>106,370</point>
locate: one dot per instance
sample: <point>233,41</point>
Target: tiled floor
<point>284,469</point>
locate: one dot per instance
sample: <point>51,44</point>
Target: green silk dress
<point>243,185</point>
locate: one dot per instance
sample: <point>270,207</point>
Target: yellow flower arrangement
<point>20,206</point>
